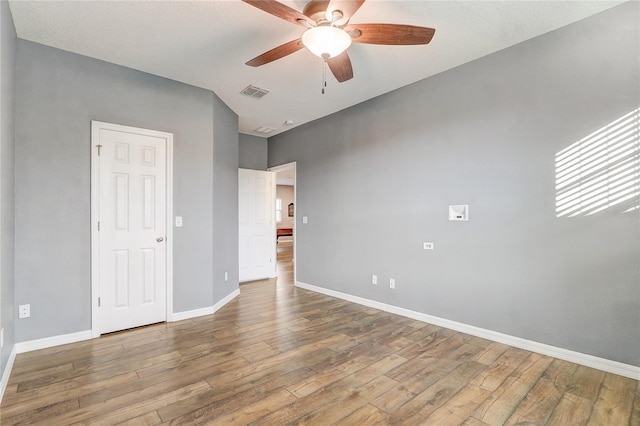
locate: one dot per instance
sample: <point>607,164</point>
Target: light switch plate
<point>305,219</point>
<point>178,221</point>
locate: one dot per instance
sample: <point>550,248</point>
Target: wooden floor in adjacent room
<point>282,355</point>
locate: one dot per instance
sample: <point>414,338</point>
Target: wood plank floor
<point>281,355</point>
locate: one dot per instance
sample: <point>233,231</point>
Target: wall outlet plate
<point>392,283</point>
<point>24,311</point>
<point>374,279</point>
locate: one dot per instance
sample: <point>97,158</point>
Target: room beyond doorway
<point>286,207</point>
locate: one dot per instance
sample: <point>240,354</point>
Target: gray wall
<point>7,138</point>
<point>59,93</point>
<point>253,152</point>
<point>376,180</point>
<point>225,200</point>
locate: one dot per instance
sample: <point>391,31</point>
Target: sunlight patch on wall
<point>601,172</point>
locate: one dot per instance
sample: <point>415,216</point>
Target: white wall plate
<point>459,212</point>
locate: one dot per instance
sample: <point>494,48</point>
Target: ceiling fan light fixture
<point>326,42</point>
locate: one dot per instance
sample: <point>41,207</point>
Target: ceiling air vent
<point>264,129</point>
<point>254,92</point>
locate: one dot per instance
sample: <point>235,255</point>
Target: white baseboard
<point>4,381</point>
<point>48,342</point>
<point>603,364</point>
<point>179,316</point>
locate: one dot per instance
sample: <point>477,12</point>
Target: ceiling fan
<point>328,33</point>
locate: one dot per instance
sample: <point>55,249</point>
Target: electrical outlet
<point>392,283</point>
<point>226,276</point>
<point>427,246</point>
<point>374,279</point>
<point>24,311</point>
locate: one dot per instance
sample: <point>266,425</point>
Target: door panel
<point>148,202</point>
<point>121,278</point>
<point>148,276</point>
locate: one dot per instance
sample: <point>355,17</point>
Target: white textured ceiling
<point>286,177</point>
<point>206,44</point>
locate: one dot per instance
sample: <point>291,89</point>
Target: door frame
<point>96,126</point>
<point>293,166</point>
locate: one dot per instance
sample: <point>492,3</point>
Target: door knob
<point>160,239</point>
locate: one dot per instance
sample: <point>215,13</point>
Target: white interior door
<point>132,224</point>
<point>256,207</point>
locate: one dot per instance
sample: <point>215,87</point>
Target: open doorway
<point>285,204</point>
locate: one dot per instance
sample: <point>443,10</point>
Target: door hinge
<point>98,146</point>
<point>98,302</point>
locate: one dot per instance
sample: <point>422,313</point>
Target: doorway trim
<point>293,166</point>
<point>96,126</point>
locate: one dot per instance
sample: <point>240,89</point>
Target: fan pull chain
<point>324,75</point>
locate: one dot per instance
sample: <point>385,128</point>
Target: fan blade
<point>389,34</point>
<point>281,11</point>
<point>347,7</point>
<point>341,68</point>
<point>277,53</point>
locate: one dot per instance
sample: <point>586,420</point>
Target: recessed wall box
<point>459,212</point>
